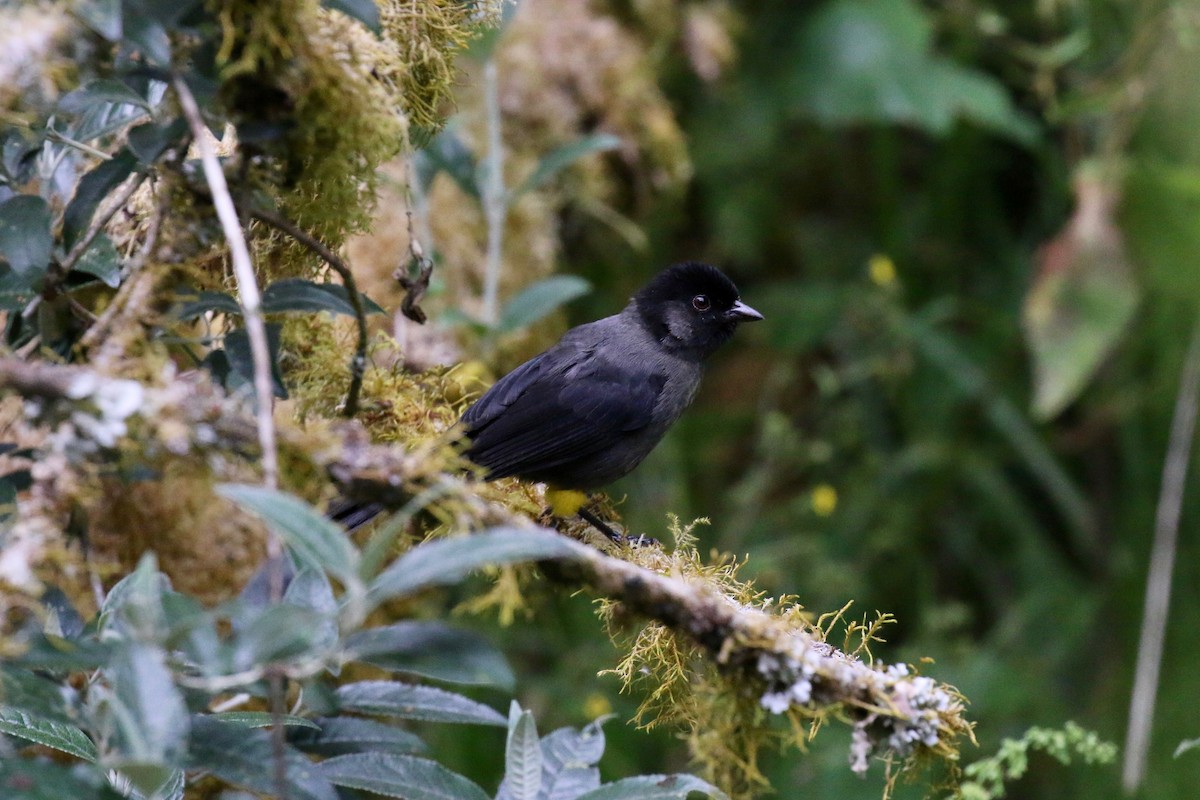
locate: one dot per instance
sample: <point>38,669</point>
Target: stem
<point>495,203</point>
<point>248,294</point>
<point>1162,564</point>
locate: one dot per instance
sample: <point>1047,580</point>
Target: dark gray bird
<point>588,410</point>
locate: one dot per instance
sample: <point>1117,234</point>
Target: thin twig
<point>99,222</point>
<point>248,294</point>
<point>1162,564</point>
<point>250,300</point>
<point>359,364</point>
<point>495,202</point>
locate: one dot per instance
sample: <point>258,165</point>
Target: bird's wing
<point>556,408</point>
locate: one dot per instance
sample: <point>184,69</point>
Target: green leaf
<point>237,347</point>
<point>653,787</point>
<point>365,11</point>
<point>312,539</point>
<point>562,157</point>
<point>150,140</point>
<point>411,701</point>
<point>281,633</point>
<point>134,606</point>
<point>263,719</point>
<point>310,589</point>
<point>40,779</point>
<point>522,757</point>
<point>402,776</point>
<point>1186,745</point>
<point>149,714</point>
<point>102,16</point>
<point>98,92</point>
<point>433,650</point>
<point>447,153</point>
<point>540,299</point>
<point>25,239</point>
<point>447,561</point>
<point>24,691</point>
<point>872,61</point>
<point>149,34</point>
<point>16,288</point>
<point>102,260</point>
<point>244,757</point>
<point>297,294</point>
<point>1080,302</point>
<point>47,732</point>
<point>208,301</point>
<point>91,191</point>
<point>340,735</point>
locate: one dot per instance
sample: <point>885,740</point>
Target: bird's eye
<point>701,302</point>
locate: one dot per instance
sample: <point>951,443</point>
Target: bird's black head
<point>692,307</point>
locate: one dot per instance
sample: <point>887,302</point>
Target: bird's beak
<point>743,313</point>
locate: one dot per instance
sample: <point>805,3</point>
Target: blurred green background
<point>973,229</point>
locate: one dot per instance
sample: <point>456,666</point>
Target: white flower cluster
<point>87,430</point>
<point>918,701</point>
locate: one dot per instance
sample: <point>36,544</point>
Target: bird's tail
<point>352,514</point>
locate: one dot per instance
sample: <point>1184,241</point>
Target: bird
<point>589,409</point>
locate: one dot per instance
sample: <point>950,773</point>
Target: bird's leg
<point>599,524</point>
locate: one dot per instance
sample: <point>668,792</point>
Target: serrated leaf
<point>106,90</point>
<point>394,775</point>
<point>654,787</point>
<point>568,747</point>
<point>47,732</point>
<point>48,652</point>
<point>151,718</point>
<point>297,294</point>
<point>310,589</point>
<point>433,650</point>
<point>365,11</point>
<point>281,632</point>
<point>25,239</point>
<point>312,539</point>
<point>102,260</point>
<point>571,782</point>
<point>340,735</point>
<point>263,719</point>
<point>562,157</point>
<point>244,757</point>
<point>206,301</point>
<point>540,299</point>
<point>447,561</point>
<point>91,191</point>
<point>522,757</point>
<point>135,602</point>
<point>411,701</point>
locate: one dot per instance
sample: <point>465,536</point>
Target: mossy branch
<point>776,659</point>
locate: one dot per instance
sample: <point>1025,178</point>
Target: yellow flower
<point>824,499</point>
<point>882,270</point>
<point>596,705</point>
